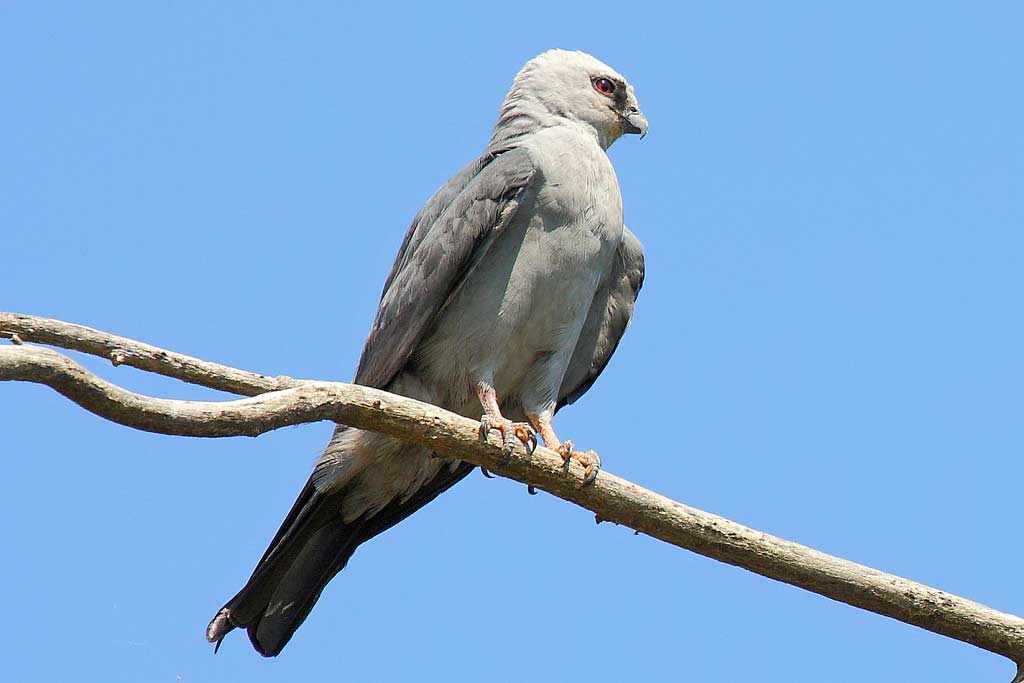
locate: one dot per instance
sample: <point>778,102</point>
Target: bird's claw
<point>565,450</point>
<point>510,432</point>
<point>525,433</point>
<point>589,459</point>
<point>485,427</point>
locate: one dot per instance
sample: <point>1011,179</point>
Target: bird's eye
<point>604,86</point>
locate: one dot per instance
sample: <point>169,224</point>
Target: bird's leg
<point>589,459</point>
<point>510,431</point>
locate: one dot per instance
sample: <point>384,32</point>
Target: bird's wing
<point>447,237</point>
<point>607,320</point>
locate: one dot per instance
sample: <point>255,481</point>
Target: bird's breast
<point>527,299</point>
<point>580,190</point>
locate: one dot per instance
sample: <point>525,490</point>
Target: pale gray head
<point>560,85</point>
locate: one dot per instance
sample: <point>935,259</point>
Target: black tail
<point>312,545</point>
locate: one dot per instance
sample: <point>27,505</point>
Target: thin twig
<point>21,328</point>
<point>610,498</point>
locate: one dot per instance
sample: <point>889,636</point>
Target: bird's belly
<point>523,304</point>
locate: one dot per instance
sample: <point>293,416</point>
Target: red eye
<point>604,86</point>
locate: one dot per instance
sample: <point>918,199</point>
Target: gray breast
<point>527,299</point>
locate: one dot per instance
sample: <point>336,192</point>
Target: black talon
<point>592,469</point>
<point>567,457</point>
<point>531,490</point>
<point>509,436</point>
<point>484,471</point>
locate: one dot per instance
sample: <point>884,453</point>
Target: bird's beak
<point>635,122</point>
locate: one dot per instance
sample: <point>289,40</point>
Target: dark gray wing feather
<point>607,320</point>
<point>446,238</point>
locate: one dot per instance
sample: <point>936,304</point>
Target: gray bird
<point>509,295</point>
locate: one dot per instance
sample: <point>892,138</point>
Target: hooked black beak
<point>635,122</point>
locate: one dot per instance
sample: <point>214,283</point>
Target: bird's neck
<point>517,119</point>
<point>521,117</point>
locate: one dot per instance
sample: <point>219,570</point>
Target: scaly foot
<point>589,459</point>
<point>510,431</point>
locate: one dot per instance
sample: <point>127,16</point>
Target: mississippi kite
<point>509,295</point>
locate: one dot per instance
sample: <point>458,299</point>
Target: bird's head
<point>578,87</point>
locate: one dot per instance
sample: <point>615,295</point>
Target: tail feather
<point>313,544</point>
<point>325,554</point>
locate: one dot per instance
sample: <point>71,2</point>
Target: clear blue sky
<point>828,346</point>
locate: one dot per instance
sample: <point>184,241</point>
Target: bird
<point>510,293</point>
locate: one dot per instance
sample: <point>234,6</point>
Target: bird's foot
<point>589,459</point>
<point>510,432</point>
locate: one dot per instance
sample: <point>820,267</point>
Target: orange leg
<point>510,431</point>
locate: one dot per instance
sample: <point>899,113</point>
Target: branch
<point>611,498</point>
<point>123,351</point>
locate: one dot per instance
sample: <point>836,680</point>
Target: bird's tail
<point>313,544</point>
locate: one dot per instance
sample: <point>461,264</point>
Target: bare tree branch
<point>123,351</point>
<point>290,402</point>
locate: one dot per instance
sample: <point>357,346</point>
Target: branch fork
<point>275,402</point>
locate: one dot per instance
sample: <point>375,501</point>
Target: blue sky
<point>827,346</point>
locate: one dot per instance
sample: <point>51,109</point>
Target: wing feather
<point>609,316</point>
<point>445,240</point>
